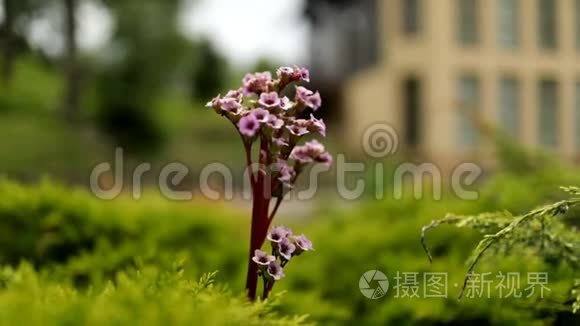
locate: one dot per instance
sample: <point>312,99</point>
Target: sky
<point>249,29</point>
<point>243,30</point>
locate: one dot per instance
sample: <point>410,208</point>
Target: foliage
<point>512,156</point>
<point>209,73</point>
<point>78,242</point>
<point>146,53</point>
<point>265,64</point>
<point>576,293</point>
<point>39,97</point>
<point>28,120</point>
<point>147,296</point>
<point>78,236</point>
<point>542,229</point>
<point>129,121</point>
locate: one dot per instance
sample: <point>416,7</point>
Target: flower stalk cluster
<point>266,118</point>
<point>285,246</point>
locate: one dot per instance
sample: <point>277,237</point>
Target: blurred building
<point>344,40</point>
<point>429,68</point>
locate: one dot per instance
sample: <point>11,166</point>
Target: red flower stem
<point>248,147</point>
<point>252,276</point>
<point>271,216</point>
<point>266,194</point>
<point>260,208</point>
<point>267,289</point>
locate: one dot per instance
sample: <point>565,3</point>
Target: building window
<point>508,23</point>
<point>547,24</point>
<point>548,113</point>
<point>411,16</point>
<point>468,22</point>
<point>469,102</point>
<point>509,106</point>
<point>412,111</point>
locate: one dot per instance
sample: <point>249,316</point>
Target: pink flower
<point>215,103</point>
<point>286,248</point>
<point>315,101</point>
<point>256,83</point>
<point>308,98</point>
<point>302,244</point>
<point>274,122</point>
<point>231,105</point>
<point>262,258</point>
<point>285,73</point>
<point>275,271</point>
<point>279,141</point>
<point>285,103</point>
<point>297,130</point>
<point>261,115</point>
<point>249,125</point>
<point>278,233</point>
<point>325,158</point>
<point>299,154</point>
<point>317,126</point>
<point>286,173</point>
<point>289,74</point>
<point>236,93</point>
<point>310,152</point>
<point>314,147</point>
<point>302,94</point>
<point>302,74</point>
<point>299,127</point>
<point>269,100</point>
<point>225,105</point>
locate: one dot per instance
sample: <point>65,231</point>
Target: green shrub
<point>50,225</point>
<point>147,296</point>
<point>81,244</point>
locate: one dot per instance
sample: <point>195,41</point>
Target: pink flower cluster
<point>260,112</point>
<point>285,246</point>
<point>263,114</point>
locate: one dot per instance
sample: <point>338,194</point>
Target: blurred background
<point>82,77</point>
<point>496,82</point>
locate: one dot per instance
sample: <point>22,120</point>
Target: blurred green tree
<point>72,95</point>
<point>17,13</point>
<point>6,38</point>
<point>146,54</point>
<point>209,74</point>
<point>265,64</point>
